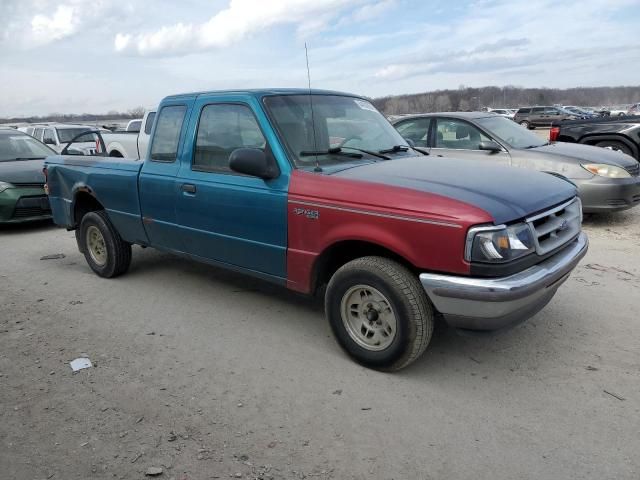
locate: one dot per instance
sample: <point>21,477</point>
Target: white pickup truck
<point>130,144</point>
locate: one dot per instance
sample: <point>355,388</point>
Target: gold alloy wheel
<point>96,246</point>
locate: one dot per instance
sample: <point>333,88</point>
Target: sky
<point>95,56</point>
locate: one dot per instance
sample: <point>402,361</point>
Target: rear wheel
<point>379,313</point>
<point>613,145</point>
<point>105,251</point>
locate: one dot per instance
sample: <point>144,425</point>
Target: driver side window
<point>458,135</point>
<point>415,130</point>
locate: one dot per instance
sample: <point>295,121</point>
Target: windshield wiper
<point>369,152</point>
<point>30,158</point>
<point>394,149</point>
<point>330,151</point>
<point>420,150</point>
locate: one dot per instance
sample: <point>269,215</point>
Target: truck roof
<point>261,92</point>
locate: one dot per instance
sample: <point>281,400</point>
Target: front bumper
<point>23,204</point>
<point>599,194</point>
<point>495,303</point>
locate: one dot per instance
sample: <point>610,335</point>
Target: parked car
<point>531,117</point>
<point>247,180</point>
<point>634,109</point>
<point>579,112</point>
<point>504,112</point>
<point>606,181</point>
<point>58,135</point>
<point>618,110</point>
<point>130,144</point>
<point>22,195</point>
<point>621,134</point>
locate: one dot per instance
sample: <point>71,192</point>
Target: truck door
<point>157,182</point>
<point>226,217</point>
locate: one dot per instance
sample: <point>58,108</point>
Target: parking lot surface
<point>207,374</point>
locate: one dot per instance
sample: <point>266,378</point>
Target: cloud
<point>371,11</point>
<point>241,19</point>
<point>63,23</point>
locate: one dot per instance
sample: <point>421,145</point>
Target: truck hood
<point>22,171</point>
<point>578,153</point>
<point>506,193</point>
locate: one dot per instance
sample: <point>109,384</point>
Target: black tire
<point>526,124</point>
<point>413,313</point>
<point>117,251</point>
<point>613,145</point>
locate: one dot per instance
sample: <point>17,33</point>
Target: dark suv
<point>531,117</point>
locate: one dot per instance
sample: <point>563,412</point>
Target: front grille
<point>32,207</point>
<point>556,226</point>
<point>634,170</point>
<point>29,185</point>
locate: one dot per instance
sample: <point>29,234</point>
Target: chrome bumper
<point>494,303</point>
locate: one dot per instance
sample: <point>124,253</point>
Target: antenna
<point>313,121</point>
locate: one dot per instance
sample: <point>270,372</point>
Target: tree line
<point>467,98</point>
<point>137,112</point>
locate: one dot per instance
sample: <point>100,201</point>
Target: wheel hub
<point>368,317</point>
<point>96,245</point>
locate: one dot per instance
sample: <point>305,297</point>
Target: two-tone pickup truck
<point>317,192</point>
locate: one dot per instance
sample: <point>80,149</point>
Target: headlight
<point>4,186</point>
<point>604,170</point>
<point>499,244</point>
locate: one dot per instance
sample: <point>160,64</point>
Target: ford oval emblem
<point>563,226</point>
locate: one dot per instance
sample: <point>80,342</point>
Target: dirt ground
<point>207,374</point>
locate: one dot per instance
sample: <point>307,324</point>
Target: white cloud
<point>374,10</point>
<point>62,23</point>
<point>239,20</point>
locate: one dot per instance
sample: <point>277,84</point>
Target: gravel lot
<point>206,374</point>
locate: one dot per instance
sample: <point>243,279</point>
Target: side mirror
<point>254,162</point>
<point>490,146</point>
<point>49,141</point>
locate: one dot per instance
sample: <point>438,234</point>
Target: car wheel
<point>613,145</point>
<point>379,313</point>
<point>105,251</point>
<point>525,124</point>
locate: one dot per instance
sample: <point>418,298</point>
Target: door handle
<point>188,188</point>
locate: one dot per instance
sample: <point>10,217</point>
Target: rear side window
<point>537,110</point>
<point>165,141</point>
<point>524,110</point>
<point>222,129</point>
<point>149,123</point>
<point>415,130</point>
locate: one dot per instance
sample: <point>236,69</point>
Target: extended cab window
<point>222,129</point>
<point>165,141</point>
<point>48,137</point>
<point>458,134</point>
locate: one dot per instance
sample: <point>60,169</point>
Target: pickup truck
<point>615,133</point>
<point>132,143</point>
<point>317,192</point>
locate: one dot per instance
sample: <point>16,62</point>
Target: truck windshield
<point>510,132</point>
<point>343,129</point>
<point>66,134</point>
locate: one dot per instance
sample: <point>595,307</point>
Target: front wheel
<point>379,313</point>
<point>525,124</point>
<point>105,251</point>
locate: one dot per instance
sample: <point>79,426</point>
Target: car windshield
<point>343,129</point>
<point>22,146</point>
<point>66,134</point>
<point>510,132</point>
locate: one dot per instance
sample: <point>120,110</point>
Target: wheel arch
<point>84,201</point>
<point>592,139</point>
<point>341,252</point>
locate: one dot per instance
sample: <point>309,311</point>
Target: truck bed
<point>113,182</point>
